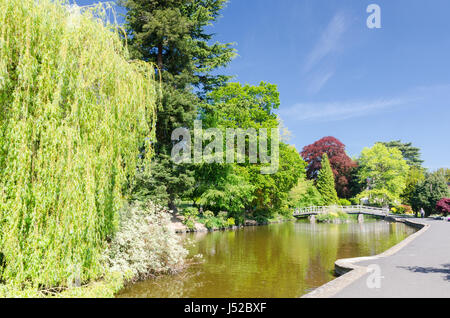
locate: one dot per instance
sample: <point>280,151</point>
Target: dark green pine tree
<point>410,154</point>
<point>325,182</point>
<point>172,35</point>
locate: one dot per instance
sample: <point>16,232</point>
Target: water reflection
<point>280,260</point>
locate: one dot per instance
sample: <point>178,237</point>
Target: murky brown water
<point>280,260</point>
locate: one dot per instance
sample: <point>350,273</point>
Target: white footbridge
<point>352,209</point>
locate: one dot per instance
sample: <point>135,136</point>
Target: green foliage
<point>172,34</point>
<point>378,197</point>
<point>325,183</point>
<point>428,192</point>
<point>238,188</point>
<point>334,215</point>
<point>106,287</point>
<point>71,124</point>
<point>221,221</point>
<point>384,171</point>
<point>190,217</point>
<point>354,184</point>
<point>414,177</point>
<point>163,181</point>
<point>402,209</point>
<point>244,106</point>
<point>272,191</point>
<point>410,154</point>
<point>344,202</point>
<point>232,192</point>
<point>304,194</point>
<point>445,172</point>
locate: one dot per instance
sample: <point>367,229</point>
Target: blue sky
<point>339,78</point>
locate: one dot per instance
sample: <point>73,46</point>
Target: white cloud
<point>318,81</point>
<point>328,41</point>
<point>340,110</point>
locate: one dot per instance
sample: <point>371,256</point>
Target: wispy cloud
<point>328,41</point>
<point>340,110</point>
<point>318,81</point>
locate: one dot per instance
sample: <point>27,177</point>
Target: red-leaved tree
<point>341,164</point>
<point>443,206</point>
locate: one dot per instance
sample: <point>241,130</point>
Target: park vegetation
<point>71,128</point>
<point>88,188</point>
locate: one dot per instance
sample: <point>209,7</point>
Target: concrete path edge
<point>350,272</point>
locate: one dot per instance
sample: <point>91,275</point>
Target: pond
<point>276,261</point>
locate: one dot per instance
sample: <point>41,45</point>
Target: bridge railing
<point>352,208</point>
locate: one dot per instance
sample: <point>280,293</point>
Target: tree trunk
<point>172,206</point>
<point>160,57</point>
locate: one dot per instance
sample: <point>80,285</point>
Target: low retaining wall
<point>350,272</point>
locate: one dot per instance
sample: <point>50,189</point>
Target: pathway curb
<point>350,272</point>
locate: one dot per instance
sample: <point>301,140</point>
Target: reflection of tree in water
<point>180,285</point>
<point>371,238</point>
<point>282,260</point>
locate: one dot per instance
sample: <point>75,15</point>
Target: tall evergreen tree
<point>410,154</point>
<point>325,182</point>
<point>172,35</point>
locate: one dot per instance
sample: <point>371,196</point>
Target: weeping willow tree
<point>74,114</point>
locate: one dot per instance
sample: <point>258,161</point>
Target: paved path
<point>420,269</point>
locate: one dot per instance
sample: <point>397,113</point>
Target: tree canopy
<point>71,124</point>
<point>341,164</point>
<point>410,154</point>
<point>428,192</point>
<point>305,194</point>
<point>414,177</point>
<point>445,172</point>
<point>383,170</point>
<point>245,106</point>
<point>172,35</point>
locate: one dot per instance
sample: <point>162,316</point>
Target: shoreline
<point>178,227</point>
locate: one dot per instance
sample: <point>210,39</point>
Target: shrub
<point>231,222</point>
<point>398,210</point>
<point>402,209</point>
<point>190,216</point>
<point>221,221</point>
<point>71,125</point>
<point>407,209</point>
<point>443,206</point>
<point>304,194</point>
<point>143,244</point>
<point>344,202</point>
<point>208,214</point>
<point>332,215</point>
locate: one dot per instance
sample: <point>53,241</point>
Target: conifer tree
<point>171,34</point>
<point>410,154</point>
<point>325,182</point>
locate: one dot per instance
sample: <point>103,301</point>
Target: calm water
<point>280,260</point>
